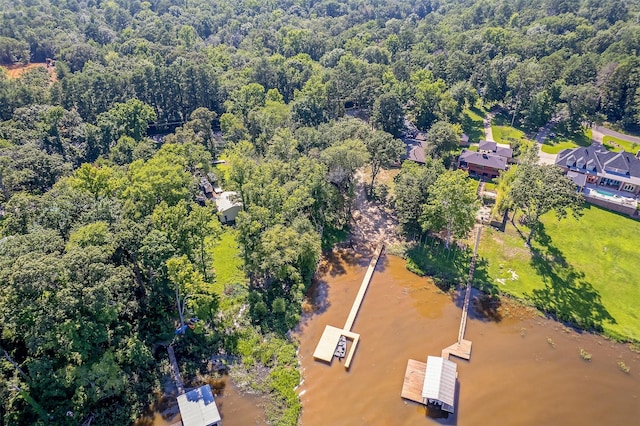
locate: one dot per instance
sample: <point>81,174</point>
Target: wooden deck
<point>461,350</point>
<point>414,381</point>
<point>329,340</point>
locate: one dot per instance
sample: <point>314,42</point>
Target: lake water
<point>524,369</point>
<point>236,409</point>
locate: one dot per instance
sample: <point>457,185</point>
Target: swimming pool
<point>604,193</point>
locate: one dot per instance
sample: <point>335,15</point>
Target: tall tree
<point>443,138</point>
<point>452,205</point>
<point>538,189</point>
<point>125,119</point>
<point>388,114</point>
<point>412,187</point>
<point>384,150</point>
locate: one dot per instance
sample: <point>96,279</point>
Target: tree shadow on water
<point>566,294</point>
<point>485,301</point>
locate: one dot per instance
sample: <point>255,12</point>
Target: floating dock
<point>326,348</point>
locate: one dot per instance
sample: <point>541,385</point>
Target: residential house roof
<point>483,159</point>
<point>577,178</point>
<point>487,146</point>
<point>227,200</point>
<point>596,160</point>
<point>499,149</point>
<point>198,407</point>
<point>415,150</point>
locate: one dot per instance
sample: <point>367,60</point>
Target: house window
<point>628,187</point>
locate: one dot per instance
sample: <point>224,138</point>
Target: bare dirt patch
<point>373,222</point>
<point>17,70</point>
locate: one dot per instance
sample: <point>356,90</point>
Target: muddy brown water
<point>524,369</point>
<point>236,409</point>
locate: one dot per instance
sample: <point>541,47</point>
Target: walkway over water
<point>462,348</point>
<point>330,337</point>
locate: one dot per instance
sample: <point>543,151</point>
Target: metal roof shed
<point>440,382</point>
<point>198,408</point>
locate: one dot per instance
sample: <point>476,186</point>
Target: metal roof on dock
<point>440,380</point>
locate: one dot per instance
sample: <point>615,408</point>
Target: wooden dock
<point>462,348</point>
<point>414,381</point>
<point>175,370</point>
<point>329,340</point>
<point>363,288</point>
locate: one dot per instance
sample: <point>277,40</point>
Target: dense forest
<point>103,246</point>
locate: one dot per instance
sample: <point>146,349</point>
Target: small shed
<point>198,408</point>
<point>440,383</point>
<point>228,206</point>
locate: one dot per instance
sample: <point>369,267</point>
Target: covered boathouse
<point>198,408</point>
<point>432,384</point>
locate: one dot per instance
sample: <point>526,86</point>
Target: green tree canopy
<point>451,206</point>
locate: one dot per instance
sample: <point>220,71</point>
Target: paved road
<point>599,132</point>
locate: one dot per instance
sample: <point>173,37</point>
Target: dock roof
<point>198,407</point>
<point>440,381</point>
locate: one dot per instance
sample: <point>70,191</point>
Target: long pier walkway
<point>462,348</point>
<point>175,370</point>
<point>330,337</point>
<point>363,288</point>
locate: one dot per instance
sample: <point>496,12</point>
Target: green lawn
<point>227,261</point>
<point>614,144</point>
<point>585,271</point>
<point>560,142</point>
<point>507,134</point>
<point>472,124</point>
<point>504,133</point>
<point>490,186</point>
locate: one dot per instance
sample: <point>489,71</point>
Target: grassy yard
<point>490,186</point>
<point>507,134</point>
<point>472,124</point>
<point>558,143</point>
<point>227,261</point>
<point>584,271</point>
<point>614,144</point>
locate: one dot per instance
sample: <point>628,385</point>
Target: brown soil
<point>16,70</point>
<point>372,222</point>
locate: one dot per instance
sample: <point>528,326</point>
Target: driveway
<point>486,122</point>
<point>541,136</point>
<point>599,132</point>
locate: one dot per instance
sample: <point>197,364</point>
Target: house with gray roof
<point>490,147</point>
<point>482,164</point>
<point>619,171</point>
